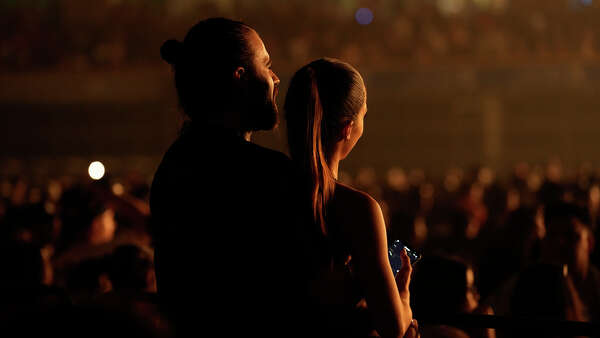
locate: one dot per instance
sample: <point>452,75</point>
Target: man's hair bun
<point>171,51</point>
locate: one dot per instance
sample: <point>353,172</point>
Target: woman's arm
<point>387,296</point>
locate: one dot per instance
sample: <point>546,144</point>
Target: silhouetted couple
<point>247,240</point>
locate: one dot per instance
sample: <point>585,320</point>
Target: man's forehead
<point>257,46</point>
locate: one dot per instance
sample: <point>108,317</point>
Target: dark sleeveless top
<point>224,236</point>
<point>334,293</point>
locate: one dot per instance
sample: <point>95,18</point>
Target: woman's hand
<point>403,282</point>
<point>413,330</point>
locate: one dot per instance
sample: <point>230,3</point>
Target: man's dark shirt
<point>224,234</point>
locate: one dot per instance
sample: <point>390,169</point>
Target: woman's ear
<point>347,130</point>
<point>239,72</point>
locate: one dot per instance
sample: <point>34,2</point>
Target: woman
<point>325,107</point>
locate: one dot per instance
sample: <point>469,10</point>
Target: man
<point>569,241</point>
<point>225,258</point>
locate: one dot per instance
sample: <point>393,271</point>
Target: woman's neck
<point>334,164</point>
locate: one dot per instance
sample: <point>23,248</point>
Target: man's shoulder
<point>177,151</point>
<point>266,155</point>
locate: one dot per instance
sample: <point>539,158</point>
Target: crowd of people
<point>74,242</point>
<point>67,34</point>
<point>73,248</point>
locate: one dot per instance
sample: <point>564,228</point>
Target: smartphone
<point>395,250</point>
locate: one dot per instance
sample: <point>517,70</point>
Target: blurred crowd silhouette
<point>520,246</point>
<point>75,254</point>
<point>73,35</point>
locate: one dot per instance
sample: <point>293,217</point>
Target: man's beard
<point>268,118</point>
<point>262,113</point>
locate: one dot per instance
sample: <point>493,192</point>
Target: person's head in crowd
<point>516,245</point>
<point>569,239</point>
<point>84,218</point>
<point>527,222</point>
<point>459,222</point>
<point>472,204</point>
<point>18,194</point>
<point>223,76</point>
<point>324,107</point>
<point>524,230</point>
<point>441,286</point>
<point>545,291</point>
<point>131,269</point>
<point>29,223</point>
<point>87,279</point>
<point>21,266</point>
<point>140,190</point>
<point>553,189</point>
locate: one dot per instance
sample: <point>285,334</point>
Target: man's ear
<point>347,130</point>
<point>239,73</point>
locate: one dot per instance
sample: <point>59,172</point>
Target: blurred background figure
<point>545,292</point>
<point>516,246</point>
<point>569,241</point>
<point>25,278</point>
<point>443,286</point>
<point>456,294</point>
<point>131,270</point>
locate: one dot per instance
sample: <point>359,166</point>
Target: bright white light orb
<point>96,170</point>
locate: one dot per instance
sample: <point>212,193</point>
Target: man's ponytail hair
<point>203,62</point>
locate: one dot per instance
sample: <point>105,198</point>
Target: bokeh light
<point>482,4</point>
<point>118,189</point>
<point>579,4</point>
<point>96,170</point>
<point>396,179</point>
<point>364,16</point>
<point>451,7</point>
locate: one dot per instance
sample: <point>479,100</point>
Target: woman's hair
<point>323,96</point>
<point>211,50</point>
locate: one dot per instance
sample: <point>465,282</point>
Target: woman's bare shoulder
<point>354,196</point>
<point>357,206</point>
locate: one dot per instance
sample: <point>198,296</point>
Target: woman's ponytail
<point>322,97</point>
<point>321,176</point>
